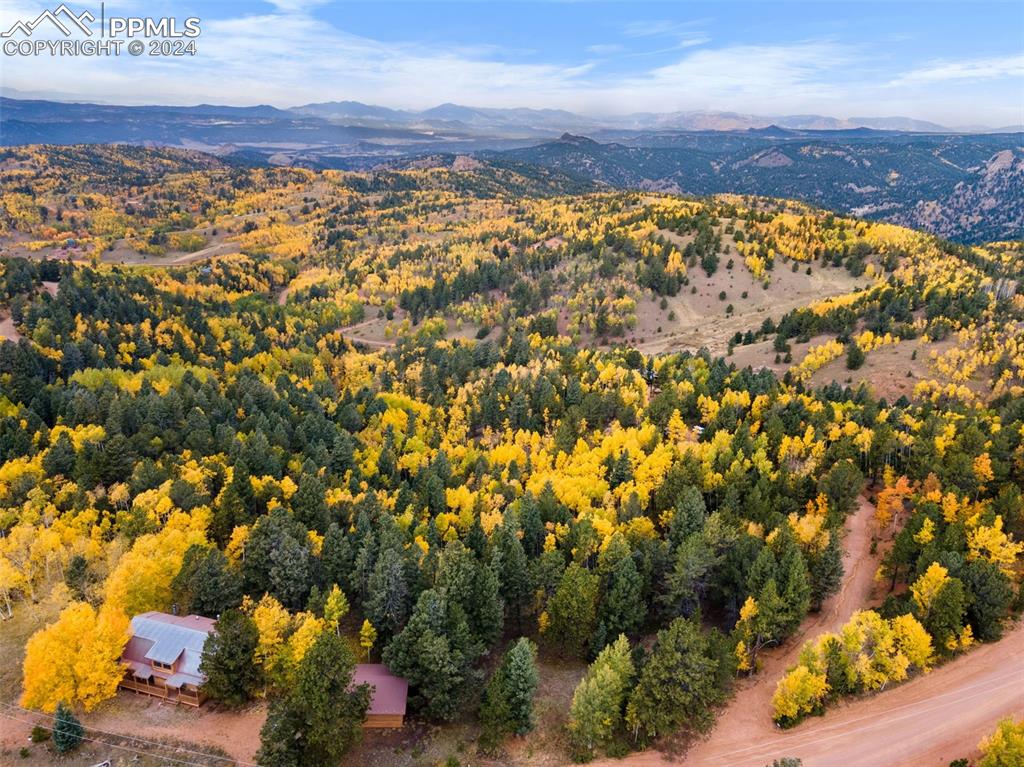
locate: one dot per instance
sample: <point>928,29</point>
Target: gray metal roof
<point>175,639</point>
<point>176,681</point>
<point>141,670</point>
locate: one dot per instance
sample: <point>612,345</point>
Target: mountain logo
<point>61,17</point>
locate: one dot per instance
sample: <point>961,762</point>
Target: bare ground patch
<point>698,316</point>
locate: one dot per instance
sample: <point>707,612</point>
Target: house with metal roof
<point>162,657</point>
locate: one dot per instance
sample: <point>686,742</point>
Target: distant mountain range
<point>449,116</point>
<point>24,120</point>
<point>966,186</point>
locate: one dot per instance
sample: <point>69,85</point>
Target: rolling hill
<point>967,188</point>
<point>451,412</point>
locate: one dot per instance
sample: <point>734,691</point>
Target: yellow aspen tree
<point>928,586</point>
<point>1005,746</point>
<point>308,628</point>
<point>989,542</point>
<point>983,469</point>
<point>335,608</point>
<point>798,693</point>
<point>274,625</point>
<point>76,660</point>
<point>367,638</point>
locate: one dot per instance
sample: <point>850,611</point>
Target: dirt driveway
<point>926,722</point>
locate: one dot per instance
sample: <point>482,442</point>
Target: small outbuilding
<point>387,697</point>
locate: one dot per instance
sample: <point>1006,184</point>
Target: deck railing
<point>163,692</point>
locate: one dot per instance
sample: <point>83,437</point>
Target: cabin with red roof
<point>387,696</point>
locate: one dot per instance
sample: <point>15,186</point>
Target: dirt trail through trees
<point>282,297</point>
<point>749,713</point>
<point>8,330</point>
<point>927,721</point>
<point>350,332</point>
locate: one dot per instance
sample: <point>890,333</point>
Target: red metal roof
<point>390,692</point>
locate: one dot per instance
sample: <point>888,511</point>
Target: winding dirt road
<point>926,722</point>
<point>748,716</point>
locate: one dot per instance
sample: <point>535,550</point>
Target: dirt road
<point>748,716</point>
<point>282,297</point>
<point>927,722</point>
<point>217,249</point>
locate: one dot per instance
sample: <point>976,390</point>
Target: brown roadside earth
<point>748,715</point>
<point>926,722</point>
<point>210,728</point>
<point>138,729</point>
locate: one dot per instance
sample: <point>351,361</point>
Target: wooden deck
<point>383,721</point>
<point>156,688</point>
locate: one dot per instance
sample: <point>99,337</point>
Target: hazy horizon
<point>597,117</point>
<point>955,65</point>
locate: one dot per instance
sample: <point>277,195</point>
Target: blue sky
<point>955,63</point>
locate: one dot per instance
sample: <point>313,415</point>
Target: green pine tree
<point>232,676</point>
<point>321,717</point>
<point>622,609</point>
<point>434,652</point>
<point>571,613</point>
<point>507,706</point>
<point>512,567</point>
<point>825,569</point>
<point>67,730</point>
<point>854,356</point>
<point>678,684</point>
<point>309,505</point>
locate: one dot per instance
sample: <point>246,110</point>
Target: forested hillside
<point>967,188</point>
<point>435,410</point>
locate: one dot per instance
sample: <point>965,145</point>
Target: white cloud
<point>763,78</point>
<point>993,68</point>
<point>691,42</point>
<point>296,6</point>
<point>661,28</point>
<point>604,49</point>
<point>687,34</point>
